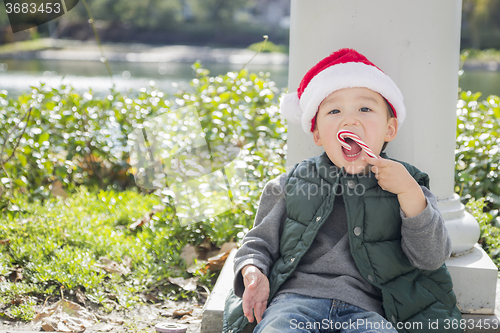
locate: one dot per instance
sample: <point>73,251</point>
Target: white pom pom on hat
<point>345,68</point>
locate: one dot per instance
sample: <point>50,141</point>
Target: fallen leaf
<point>149,298</point>
<point>106,328</point>
<point>80,296</point>
<point>112,266</point>
<point>4,241</point>
<point>57,190</point>
<point>189,254</point>
<point>186,284</point>
<point>6,316</point>
<point>112,319</point>
<point>217,262</point>
<point>16,275</point>
<point>157,209</point>
<point>166,313</point>
<point>127,261</point>
<point>182,312</point>
<point>211,254</point>
<point>147,217</point>
<point>65,316</point>
<point>140,222</point>
<point>188,320</point>
<point>17,300</point>
<point>206,244</point>
<point>199,265</point>
<point>227,247</point>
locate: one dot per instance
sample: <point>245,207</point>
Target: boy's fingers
<point>261,311</point>
<point>258,312</point>
<point>371,160</point>
<point>248,303</point>
<point>380,162</point>
<point>247,313</point>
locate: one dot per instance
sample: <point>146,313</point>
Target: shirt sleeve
<point>424,237</point>
<point>261,244</point>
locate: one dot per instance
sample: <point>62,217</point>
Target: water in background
<point>16,76</point>
<point>486,82</point>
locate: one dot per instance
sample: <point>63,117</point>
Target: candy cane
<point>342,134</point>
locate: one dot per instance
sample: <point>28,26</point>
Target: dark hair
<point>390,114</point>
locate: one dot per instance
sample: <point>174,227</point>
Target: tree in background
<point>144,14</point>
<point>219,22</point>
<point>481,24</point>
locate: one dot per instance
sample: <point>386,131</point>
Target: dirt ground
<point>138,320</point>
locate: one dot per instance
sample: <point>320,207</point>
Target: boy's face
<point>361,111</point>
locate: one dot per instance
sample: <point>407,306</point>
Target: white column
<point>417,44</point>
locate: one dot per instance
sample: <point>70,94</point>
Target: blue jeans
<point>297,313</point>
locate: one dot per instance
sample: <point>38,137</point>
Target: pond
<point>16,76</point>
<point>484,81</point>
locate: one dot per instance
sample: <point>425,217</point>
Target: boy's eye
<point>365,109</point>
<point>334,111</point>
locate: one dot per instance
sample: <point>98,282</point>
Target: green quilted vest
<point>414,300</point>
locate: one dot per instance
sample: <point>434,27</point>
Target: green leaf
<point>43,137</point>
<point>22,159</point>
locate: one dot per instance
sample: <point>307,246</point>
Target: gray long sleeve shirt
<point>328,270</point>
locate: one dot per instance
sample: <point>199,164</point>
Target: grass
<point>269,47</point>
<point>53,247</point>
<point>27,45</point>
<point>481,55</point>
<point>489,229</point>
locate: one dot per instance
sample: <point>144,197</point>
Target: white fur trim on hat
<point>340,76</point>
<point>290,108</point>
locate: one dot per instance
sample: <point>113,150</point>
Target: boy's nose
<point>350,121</point>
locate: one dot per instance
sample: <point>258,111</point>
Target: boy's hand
<point>256,292</point>
<point>393,177</point>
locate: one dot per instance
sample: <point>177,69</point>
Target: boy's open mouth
<point>354,153</point>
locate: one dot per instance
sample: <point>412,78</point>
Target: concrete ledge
<point>211,320</point>
<point>214,307</point>
<point>474,281</point>
<point>484,323</point>
<point>481,323</point>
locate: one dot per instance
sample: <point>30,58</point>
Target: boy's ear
<point>317,139</point>
<point>392,129</point>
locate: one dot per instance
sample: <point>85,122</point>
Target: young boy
<point>345,242</point>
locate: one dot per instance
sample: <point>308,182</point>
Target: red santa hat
<point>345,68</point>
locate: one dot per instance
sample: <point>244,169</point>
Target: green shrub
<point>478,149</point>
<point>81,139</point>
<point>489,237</point>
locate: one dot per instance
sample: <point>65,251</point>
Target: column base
<point>462,226</point>
<point>474,278</point>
